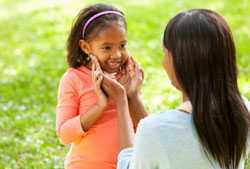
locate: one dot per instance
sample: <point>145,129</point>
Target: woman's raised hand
<point>113,88</point>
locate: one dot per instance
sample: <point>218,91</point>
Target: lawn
<point>32,60</point>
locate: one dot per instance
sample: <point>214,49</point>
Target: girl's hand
<point>97,78</point>
<point>132,79</point>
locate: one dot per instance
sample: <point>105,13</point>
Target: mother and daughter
<point>100,113</point>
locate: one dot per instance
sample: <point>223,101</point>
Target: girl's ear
<point>84,46</point>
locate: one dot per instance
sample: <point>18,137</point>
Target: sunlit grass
<point>32,60</point>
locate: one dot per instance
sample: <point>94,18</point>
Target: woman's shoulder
<point>168,120</point>
<point>169,115</point>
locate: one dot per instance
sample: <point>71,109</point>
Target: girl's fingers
<point>131,64</point>
<point>129,67</point>
<point>105,84</point>
<point>93,58</point>
<point>93,72</point>
<point>93,67</point>
<point>95,61</point>
<point>141,74</point>
<point>136,66</point>
<point>138,70</point>
<point>99,81</point>
<point>96,74</point>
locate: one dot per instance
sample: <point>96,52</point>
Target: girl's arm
<point>87,119</point>
<point>70,126</point>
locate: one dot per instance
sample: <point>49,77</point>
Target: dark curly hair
<point>75,56</point>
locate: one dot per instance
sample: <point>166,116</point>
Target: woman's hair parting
<point>87,25</point>
<point>204,59</point>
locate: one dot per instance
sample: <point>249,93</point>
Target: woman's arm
<point>125,126</point>
<point>145,153</point>
<point>143,156</point>
<point>136,109</point>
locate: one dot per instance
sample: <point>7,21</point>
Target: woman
<point>211,128</point>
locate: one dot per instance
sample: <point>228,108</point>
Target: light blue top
<point>167,141</point>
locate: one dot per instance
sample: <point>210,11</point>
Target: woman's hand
<point>97,78</point>
<point>131,78</point>
<point>113,88</point>
<point>118,93</point>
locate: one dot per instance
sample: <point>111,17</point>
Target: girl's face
<point>109,46</point>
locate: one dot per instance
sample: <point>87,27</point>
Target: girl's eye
<point>122,46</point>
<point>107,48</point>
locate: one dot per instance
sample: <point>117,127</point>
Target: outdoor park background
<point>32,60</point>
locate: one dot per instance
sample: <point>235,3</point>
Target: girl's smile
<point>109,46</point>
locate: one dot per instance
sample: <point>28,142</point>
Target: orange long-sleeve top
<point>96,148</point>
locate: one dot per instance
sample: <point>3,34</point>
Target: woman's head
<point>202,47</point>
<point>201,61</point>
<point>100,30</point>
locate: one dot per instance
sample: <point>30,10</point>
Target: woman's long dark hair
<point>204,60</point>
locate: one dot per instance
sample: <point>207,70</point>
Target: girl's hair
<point>204,60</point>
<point>75,56</point>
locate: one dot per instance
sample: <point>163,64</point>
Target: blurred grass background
<point>32,60</point>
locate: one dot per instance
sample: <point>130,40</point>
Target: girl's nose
<point>116,55</point>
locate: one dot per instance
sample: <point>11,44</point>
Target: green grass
<point>32,60</point>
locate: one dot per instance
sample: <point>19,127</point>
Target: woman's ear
<point>84,46</point>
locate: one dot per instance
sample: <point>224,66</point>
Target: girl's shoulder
<point>76,78</point>
<point>69,76</point>
<point>77,74</point>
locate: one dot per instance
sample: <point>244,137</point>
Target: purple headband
<point>96,16</point>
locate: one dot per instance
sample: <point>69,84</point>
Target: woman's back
<point>169,141</point>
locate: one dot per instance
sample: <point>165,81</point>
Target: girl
<point>86,119</point>
<point>211,128</point>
